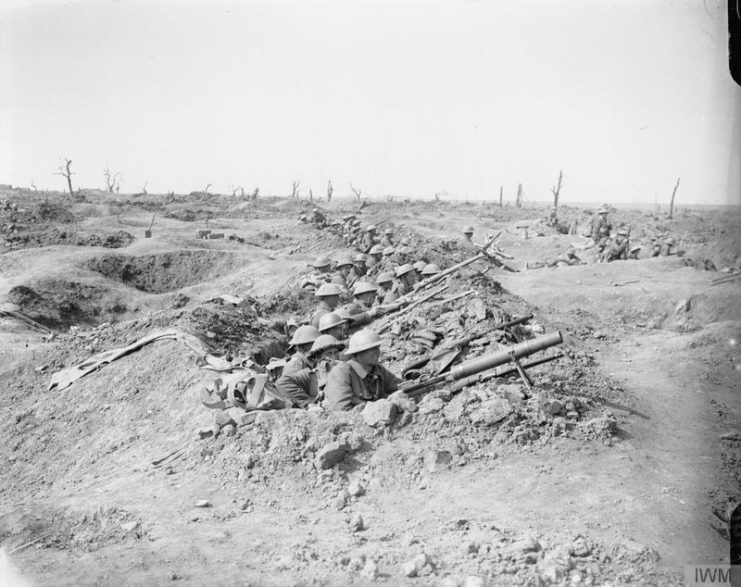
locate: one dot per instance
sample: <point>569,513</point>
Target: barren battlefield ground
<point>619,466</point>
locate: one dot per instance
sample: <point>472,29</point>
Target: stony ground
<point>619,468</point>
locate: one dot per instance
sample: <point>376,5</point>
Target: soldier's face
<point>369,358</point>
<point>332,301</point>
<point>338,331</point>
<point>366,298</point>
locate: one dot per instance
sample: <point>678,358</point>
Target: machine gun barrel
<point>461,342</point>
<point>488,361</point>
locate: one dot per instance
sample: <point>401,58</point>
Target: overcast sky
<point>398,97</point>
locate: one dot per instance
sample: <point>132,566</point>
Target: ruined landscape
<point>619,466</point>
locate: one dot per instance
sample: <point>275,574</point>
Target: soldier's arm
<point>297,387</point>
<point>390,381</point>
<point>338,392</point>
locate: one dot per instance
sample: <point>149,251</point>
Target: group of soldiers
<point>351,292</point>
<point>616,246</point>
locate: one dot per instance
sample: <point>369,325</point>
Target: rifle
<point>448,353</point>
<point>450,270</point>
<point>406,305</point>
<point>475,366</point>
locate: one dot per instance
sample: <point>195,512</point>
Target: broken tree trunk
<point>671,203</point>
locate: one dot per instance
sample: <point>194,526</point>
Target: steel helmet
<point>321,262</point>
<point>670,241</point>
<point>388,231</point>
<point>468,229</point>
<point>356,221</point>
<point>329,321</point>
<point>325,342</point>
<point>404,251</point>
<point>622,232</point>
<point>359,258</point>
<point>636,248</point>
<point>362,341</point>
<point>376,250</point>
<point>404,269</point>
<point>370,228</point>
<point>388,251</point>
<point>343,261</point>
<point>603,210</point>
<point>431,269</point>
<point>347,217</point>
<point>304,335</point>
<point>385,277</point>
<point>419,265</point>
<point>362,287</point>
<point>405,242</point>
<point>328,289</point>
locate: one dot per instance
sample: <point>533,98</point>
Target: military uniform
<point>322,309</point>
<point>298,362</point>
<point>350,384</point>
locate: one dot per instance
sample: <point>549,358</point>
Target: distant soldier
<point>387,239</point>
<point>321,274</point>
<point>634,251</point>
<point>373,262</point>
<point>429,270</point>
<point>467,240</point>
<point>386,293</point>
<point>302,340</point>
<point>666,247</point>
<point>318,219</point>
<point>342,275</point>
<point>369,238</point>
<point>364,307</point>
<point>359,269</point>
<point>618,249</point>
<point>406,277</point>
<point>329,296</point>
<point>334,324</point>
<point>307,385</point>
<point>599,227</point>
<point>362,378</point>
<point>568,257</point>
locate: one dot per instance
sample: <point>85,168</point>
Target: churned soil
<point>618,467</point>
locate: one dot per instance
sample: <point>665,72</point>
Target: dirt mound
<point>56,236</point>
<point>58,303</point>
<point>166,271</point>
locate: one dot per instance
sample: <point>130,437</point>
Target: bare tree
<point>556,190</point>
<point>501,196</point>
<point>330,191</point>
<point>111,180</point>
<point>519,197</point>
<point>236,189</point>
<point>311,195</point>
<point>66,172</point>
<point>294,188</point>
<point>143,190</point>
<point>205,190</point>
<point>255,194</point>
<point>358,193</point>
<point>671,202</point>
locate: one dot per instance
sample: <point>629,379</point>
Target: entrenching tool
<point>475,366</point>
